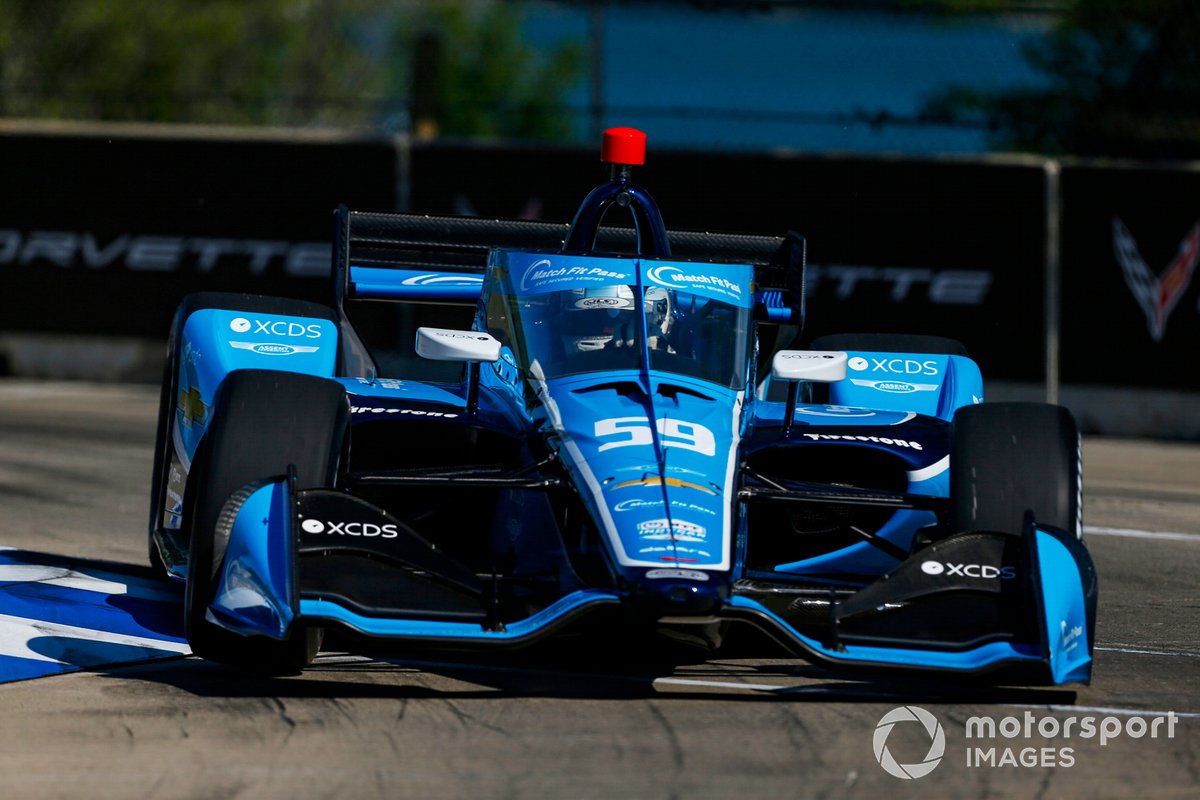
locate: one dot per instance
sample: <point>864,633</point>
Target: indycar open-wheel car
<point>497,429</point>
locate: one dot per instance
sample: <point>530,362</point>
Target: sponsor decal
<point>543,275</point>
<point>191,408</point>
<point>794,356</point>
<point>669,482</point>
<point>637,505</point>
<point>673,277</point>
<point>836,411</point>
<point>677,574</point>
<point>604,302</point>
<point>673,529</point>
<point>1156,295</point>
<point>679,554</point>
<point>896,387</point>
<point>382,383</point>
<point>846,437</point>
<point>443,280</point>
<point>279,327</point>
<point>416,412</point>
<point>937,742</point>
<point>273,348</point>
<point>1069,637</point>
<point>673,433</point>
<point>318,527</point>
<point>441,333</point>
<point>986,571</point>
<point>894,366</point>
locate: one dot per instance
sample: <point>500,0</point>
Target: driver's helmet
<point>606,317</point>
<point>660,317</point>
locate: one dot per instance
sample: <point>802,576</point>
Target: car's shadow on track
<point>586,670</point>
<point>599,662</point>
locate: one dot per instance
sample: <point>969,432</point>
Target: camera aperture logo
<point>1049,740</point>
<point>937,742</point>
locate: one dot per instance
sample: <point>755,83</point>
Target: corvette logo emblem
<point>1157,296</point>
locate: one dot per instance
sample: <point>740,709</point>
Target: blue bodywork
<point>631,457</point>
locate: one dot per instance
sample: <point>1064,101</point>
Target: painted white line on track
<point>1141,652</point>
<point>757,687</point>
<point>1131,533</point>
<point>1113,712</point>
<point>17,632</point>
<point>99,581</point>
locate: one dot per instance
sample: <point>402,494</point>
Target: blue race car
<point>603,442</point>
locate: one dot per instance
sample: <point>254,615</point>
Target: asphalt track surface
<point>571,721</point>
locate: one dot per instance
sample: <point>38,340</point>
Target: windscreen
<point>568,324</point>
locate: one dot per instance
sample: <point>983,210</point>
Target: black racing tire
<point>168,401</point>
<point>889,343</point>
<point>262,422</point>
<point>1007,459</point>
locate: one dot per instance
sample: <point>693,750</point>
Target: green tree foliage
<point>1121,79</point>
<point>276,62</point>
<point>488,81</point>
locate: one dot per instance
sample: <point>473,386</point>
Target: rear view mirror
<point>443,344</point>
<point>822,366</point>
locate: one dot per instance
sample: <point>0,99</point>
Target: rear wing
<point>384,255</point>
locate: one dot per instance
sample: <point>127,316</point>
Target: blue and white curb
<point>61,615</point>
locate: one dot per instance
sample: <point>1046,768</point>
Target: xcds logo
<point>937,742</point>
<point>985,571</point>
<point>363,529</point>
<point>899,366</point>
<point>276,327</point>
<point>858,364</point>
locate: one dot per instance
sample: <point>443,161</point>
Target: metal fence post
<point>1053,265</point>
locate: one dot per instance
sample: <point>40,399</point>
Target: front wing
<point>971,603</point>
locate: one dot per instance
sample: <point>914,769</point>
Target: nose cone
<point>680,593</point>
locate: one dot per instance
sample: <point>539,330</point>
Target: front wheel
<point>262,422</point>
<point>1010,458</point>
